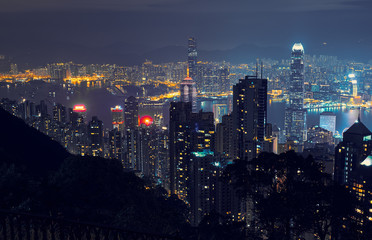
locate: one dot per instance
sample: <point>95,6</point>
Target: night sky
<point>130,29</point>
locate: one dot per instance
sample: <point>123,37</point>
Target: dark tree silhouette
<point>289,195</point>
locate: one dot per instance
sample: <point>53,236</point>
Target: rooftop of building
<point>297,47</point>
<point>358,128</point>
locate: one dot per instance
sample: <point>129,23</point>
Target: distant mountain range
<point>41,52</point>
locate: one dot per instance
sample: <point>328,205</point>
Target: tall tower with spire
<point>295,114</point>
<point>188,91</point>
<point>192,58</point>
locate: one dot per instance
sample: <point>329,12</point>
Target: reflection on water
<point>345,117</point>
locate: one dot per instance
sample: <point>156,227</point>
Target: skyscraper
<point>188,132</point>
<point>192,58</point>
<point>115,144</point>
<point>249,116</point>
<point>179,147</point>
<point>355,147</point>
<point>131,126</point>
<point>95,137</point>
<point>295,114</point>
<point>188,91</point>
<point>59,113</point>
<point>328,121</point>
<point>353,163</point>
<point>117,117</point>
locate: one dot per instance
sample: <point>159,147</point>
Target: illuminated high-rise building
<point>355,147</point>
<point>188,91</point>
<point>249,116</point>
<point>295,114</point>
<point>117,117</point>
<point>131,126</point>
<point>192,58</point>
<point>95,137</point>
<point>354,84</point>
<point>147,147</point>
<point>219,110</point>
<point>59,113</point>
<point>179,147</point>
<point>353,168</point>
<point>78,142</point>
<point>361,187</point>
<point>115,144</point>
<point>188,132</point>
<point>328,121</point>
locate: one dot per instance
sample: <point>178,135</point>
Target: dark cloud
<point>183,5</point>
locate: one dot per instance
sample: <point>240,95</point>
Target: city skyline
<point>186,120</point>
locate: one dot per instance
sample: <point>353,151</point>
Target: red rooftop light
<point>147,120</point>
<point>79,108</point>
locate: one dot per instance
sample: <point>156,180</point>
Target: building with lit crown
<point>188,91</point>
<point>295,114</point>
<point>117,117</point>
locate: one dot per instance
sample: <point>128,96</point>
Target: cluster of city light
<point>27,76</point>
<point>165,96</point>
<point>167,83</point>
<point>78,80</point>
<point>117,108</point>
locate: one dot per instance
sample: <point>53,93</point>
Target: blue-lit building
<point>328,121</point>
<point>295,114</point>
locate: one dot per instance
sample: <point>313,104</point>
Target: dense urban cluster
<point>188,148</point>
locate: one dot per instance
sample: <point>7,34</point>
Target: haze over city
<point>128,32</point>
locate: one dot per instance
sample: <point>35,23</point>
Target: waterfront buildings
<point>328,121</point>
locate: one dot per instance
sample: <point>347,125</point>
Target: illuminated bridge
<point>19,226</point>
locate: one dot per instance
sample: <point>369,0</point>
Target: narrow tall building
<point>179,147</point>
<point>95,137</point>
<point>295,114</point>
<point>117,117</point>
<point>115,144</point>
<point>192,58</point>
<point>188,91</point>
<point>249,116</point>
<point>131,126</point>
<point>59,113</point>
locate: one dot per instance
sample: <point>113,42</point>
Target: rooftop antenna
<point>359,114</point>
<point>261,69</point>
<point>257,67</point>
